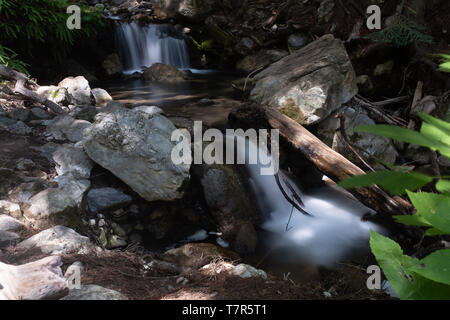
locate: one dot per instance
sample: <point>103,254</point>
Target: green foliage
<point>42,21</point>
<point>9,58</point>
<point>445,65</point>
<point>411,278</point>
<point>403,31</point>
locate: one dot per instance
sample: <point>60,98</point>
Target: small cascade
<point>140,46</point>
<point>333,232</point>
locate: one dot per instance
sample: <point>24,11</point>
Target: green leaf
<point>413,220</point>
<point>396,183</point>
<point>405,135</point>
<point>443,125</point>
<point>396,266</point>
<point>434,208</point>
<point>432,232</point>
<point>435,266</point>
<point>443,186</point>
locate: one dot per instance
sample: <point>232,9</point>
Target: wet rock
<point>52,203</point>
<point>151,110</point>
<point>101,96</point>
<point>229,203</point>
<point>10,209</point>
<point>57,240</point>
<point>107,198</point>
<point>37,280</point>
<point>58,95</point>
<point>137,147</point>
<point>260,59</point>
<point>86,113</point>
<point>9,179</point>
<point>111,65</point>
<point>66,127</point>
<point>196,255</point>
<point>19,114</point>
<point>159,72</point>
<point>78,88</point>
<point>376,146</point>
<point>14,127</point>
<point>8,223</point>
<point>94,292</point>
<point>309,84</point>
<point>75,188</point>
<point>73,160</point>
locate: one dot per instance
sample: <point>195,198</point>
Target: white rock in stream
<point>136,147</point>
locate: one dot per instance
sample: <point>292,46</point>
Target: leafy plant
<point>411,278</point>
<point>403,31</point>
<point>42,21</point>
<point>10,59</point>
<point>445,65</point>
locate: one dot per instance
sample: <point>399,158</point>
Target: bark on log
<point>329,162</point>
<point>21,82</point>
<point>38,280</point>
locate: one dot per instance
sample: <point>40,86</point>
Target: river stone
<point>151,110</point>
<point>136,147</point>
<point>58,95</point>
<point>71,159</point>
<point>10,209</point>
<point>226,197</point>
<point>246,271</point>
<point>14,127</point>
<point>8,223</point>
<point>297,41</point>
<point>376,146</point>
<point>309,84</point>
<point>78,88</point>
<point>39,113</point>
<point>159,72</point>
<point>66,127</point>
<point>245,46</point>
<point>54,203</point>
<point>57,240</point>
<point>101,96</point>
<point>8,238</point>
<point>94,292</point>
<point>75,188</point>
<point>260,59</point>
<point>19,114</point>
<point>25,191</point>
<point>107,198</point>
<point>196,255</point>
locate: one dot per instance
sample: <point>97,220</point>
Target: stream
<point>289,241</point>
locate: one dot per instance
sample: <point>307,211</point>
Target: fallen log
<point>328,161</point>
<point>38,280</point>
<point>22,81</point>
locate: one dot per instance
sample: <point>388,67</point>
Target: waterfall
<point>140,46</point>
<point>334,232</point>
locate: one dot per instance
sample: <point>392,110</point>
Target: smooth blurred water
<point>140,46</point>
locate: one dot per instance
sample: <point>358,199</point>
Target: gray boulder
<point>136,147</point>
<point>66,127</point>
<point>309,84</point>
<point>58,95</point>
<point>74,187</point>
<point>159,72</point>
<point>8,223</point>
<point>94,292</point>
<point>14,127</point>
<point>101,96</point>
<point>71,159</point>
<point>57,240</point>
<point>107,198</point>
<point>78,88</point>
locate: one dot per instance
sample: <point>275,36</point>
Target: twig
<point>292,202</point>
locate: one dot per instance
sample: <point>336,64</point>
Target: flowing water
<point>335,230</point>
<point>140,46</point>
